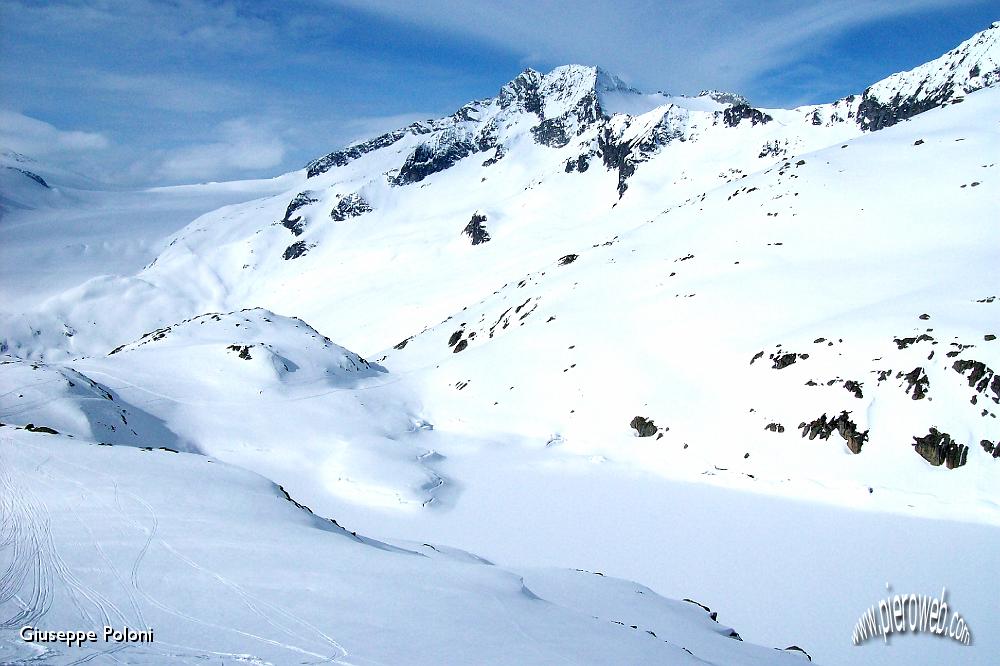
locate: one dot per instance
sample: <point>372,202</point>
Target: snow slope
<point>226,568</point>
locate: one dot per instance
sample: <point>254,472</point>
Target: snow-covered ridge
<point>569,103</point>
<point>972,65</point>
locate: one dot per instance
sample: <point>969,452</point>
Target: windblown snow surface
<point>746,356</point>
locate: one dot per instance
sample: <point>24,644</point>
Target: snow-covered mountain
<point>797,303</point>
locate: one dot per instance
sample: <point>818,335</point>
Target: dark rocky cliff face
<point>426,160</point>
<point>345,156</point>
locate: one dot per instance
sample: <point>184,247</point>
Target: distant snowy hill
<point>797,303</point>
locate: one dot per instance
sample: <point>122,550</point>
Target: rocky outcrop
<point>242,350</point>
<point>497,156</point>
<point>32,175</point>
<point>981,377</point>
<point>643,427</point>
<point>430,158</point>
<point>522,93</point>
<point>345,156</point>
<point>723,97</point>
<point>476,229</point>
<point>783,360</point>
<point>842,424</point>
<point>917,383</point>
<point>734,115</point>
<point>578,164</point>
<point>296,250</point>
<point>938,447</point>
<point>350,205</point>
<point>622,149</point>
<point>294,224</point>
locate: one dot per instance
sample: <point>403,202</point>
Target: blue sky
<point>155,92</point>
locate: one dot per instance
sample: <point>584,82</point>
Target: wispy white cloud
<point>24,134</point>
<point>243,145</point>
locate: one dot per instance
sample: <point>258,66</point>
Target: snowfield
<point>746,356</point>
<point>226,569</point>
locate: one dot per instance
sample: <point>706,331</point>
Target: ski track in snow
<point>26,538</point>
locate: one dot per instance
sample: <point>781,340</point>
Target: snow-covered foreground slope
<point>226,569</point>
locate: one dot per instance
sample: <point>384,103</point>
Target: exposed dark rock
<point>624,156</point>
<point>734,115</point>
<point>989,337</point>
<point>796,648</point>
<point>917,382</point>
<point>497,156</point>
<point>551,132</point>
<point>712,615</point>
<point>476,229</point>
<point>874,114</point>
<point>990,447</point>
<point>294,224</point>
<point>343,157</point>
<point>32,175</point>
<point>455,337</point>
<point>243,350</point>
<point>775,427</point>
<point>522,92</point>
<point>938,447</point>
<point>784,360</point>
<point>824,427</point>
<point>981,377</point>
<point>426,160</point>
<point>567,259</point>
<point>462,344</point>
<point>296,250</point>
<point>402,344</point>
<point>854,387</point>
<point>903,343</point>
<point>643,426</point>
<point>31,427</point>
<point>580,164</point>
<point>773,149</point>
<point>756,356</point>
<point>350,205</point>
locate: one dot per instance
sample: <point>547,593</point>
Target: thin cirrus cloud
<point>687,45</point>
